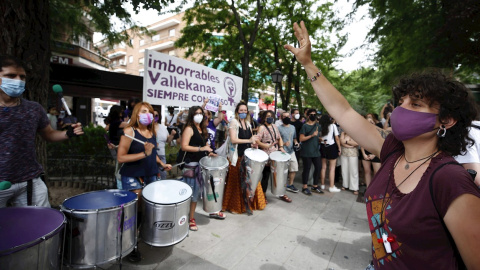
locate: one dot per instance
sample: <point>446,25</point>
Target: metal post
<point>275,112</point>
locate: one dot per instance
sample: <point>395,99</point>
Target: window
<point>130,59</point>
<point>142,42</point>
<point>171,33</point>
<point>121,62</point>
<point>156,38</point>
<point>140,73</point>
<point>171,53</point>
<point>114,63</point>
<point>122,45</point>
<point>140,60</point>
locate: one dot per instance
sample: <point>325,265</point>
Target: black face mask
<point>312,117</point>
<point>286,121</point>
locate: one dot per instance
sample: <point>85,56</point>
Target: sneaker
<point>134,256</point>
<point>334,189</point>
<point>292,188</point>
<point>317,190</point>
<point>322,187</point>
<point>306,191</point>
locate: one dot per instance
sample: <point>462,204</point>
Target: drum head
<point>102,199</point>
<point>256,154</point>
<point>214,163</point>
<point>23,227</point>
<point>279,156</point>
<point>167,192</point>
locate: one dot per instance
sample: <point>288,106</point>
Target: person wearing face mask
<point>163,137</point>
<point>212,123</point>
<point>270,141</point>
<point>289,137</point>
<point>20,121</point>
<point>195,144</point>
<point>297,123</point>
<point>422,206</point>
<point>238,192</point>
<point>140,159</point>
<point>309,136</point>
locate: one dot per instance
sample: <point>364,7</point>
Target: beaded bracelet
<point>317,75</point>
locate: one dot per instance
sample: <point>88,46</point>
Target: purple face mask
<point>145,118</point>
<point>407,124</point>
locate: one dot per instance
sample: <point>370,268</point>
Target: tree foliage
<point>414,35</point>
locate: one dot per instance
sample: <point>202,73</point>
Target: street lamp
<point>277,77</point>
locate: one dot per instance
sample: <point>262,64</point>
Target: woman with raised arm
<point>419,218</point>
<point>237,198</point>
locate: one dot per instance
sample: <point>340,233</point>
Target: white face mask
<point>198,118</point>
<point>297,116</point>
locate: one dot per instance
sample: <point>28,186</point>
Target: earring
<point>444,131</point>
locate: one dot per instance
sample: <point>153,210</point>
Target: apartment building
<point>128,58</point>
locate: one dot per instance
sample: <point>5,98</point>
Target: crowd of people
<point>400,155</point>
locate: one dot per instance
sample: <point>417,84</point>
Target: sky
<point>356,31</point>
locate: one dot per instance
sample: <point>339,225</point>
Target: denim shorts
<point>192,182</point>
<point>132,183</point>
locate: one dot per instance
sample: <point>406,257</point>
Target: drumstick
<point>135,139</point>
<point>178,164</point>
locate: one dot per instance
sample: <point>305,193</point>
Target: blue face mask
<point>242,115</point>
<point>269,120</point>
<point>13,88</point>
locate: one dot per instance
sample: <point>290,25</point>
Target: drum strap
<point>274,139</point>
<point>29,192</point>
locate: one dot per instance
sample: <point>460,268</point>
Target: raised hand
<point>302,53</point>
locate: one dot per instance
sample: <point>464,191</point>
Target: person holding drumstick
<point>270,140</point>
<point>237,193</point>
<point>194,144</point>
<point>422,206</point>
<point>137,151</point>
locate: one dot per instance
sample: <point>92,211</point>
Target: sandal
<point>192,225</point>
<point>218,215</point>
<point>355,192</point>
<point>285,198</point>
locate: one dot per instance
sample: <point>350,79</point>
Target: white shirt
<point>332,130</point>
<point>171,120</point>
<point>162,134</point>
<point>473,152</point>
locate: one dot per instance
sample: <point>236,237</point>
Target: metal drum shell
<point>42,253</point>
<point>93,235</point>
<point>165,224</point>
<point>213,169</point>
<point>279,163</point>
<point>255,160</point>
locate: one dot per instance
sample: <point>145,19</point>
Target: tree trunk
<point>298,96</point>
<point>245,74</point>
<point>25,33</point>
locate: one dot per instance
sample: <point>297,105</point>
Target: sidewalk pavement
<point>328,231</point>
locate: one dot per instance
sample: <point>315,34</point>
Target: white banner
<point>172,81</point>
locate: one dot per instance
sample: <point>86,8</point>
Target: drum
<point>214,171</point>
<point>166,209</point>
<point>31,237</point>
<point>255,160</point>
<point>279,162</point>
<point>94,229</point>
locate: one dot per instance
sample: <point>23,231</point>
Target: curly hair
<point>455,100</point>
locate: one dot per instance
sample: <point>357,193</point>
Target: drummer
<point>194,144</point>
<point>270,141</point>
<point>140,160</point>
<point>237,189</point>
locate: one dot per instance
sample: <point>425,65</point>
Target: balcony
<point>117,54</point>
<point>159,47</point>
<point>163,25</point>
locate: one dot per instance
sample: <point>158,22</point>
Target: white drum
<point>255,160</point>
<point>279,163</point>
<point>166,208</point>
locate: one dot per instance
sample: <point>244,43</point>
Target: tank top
<point>196,140</point>
<point>145,166</point>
